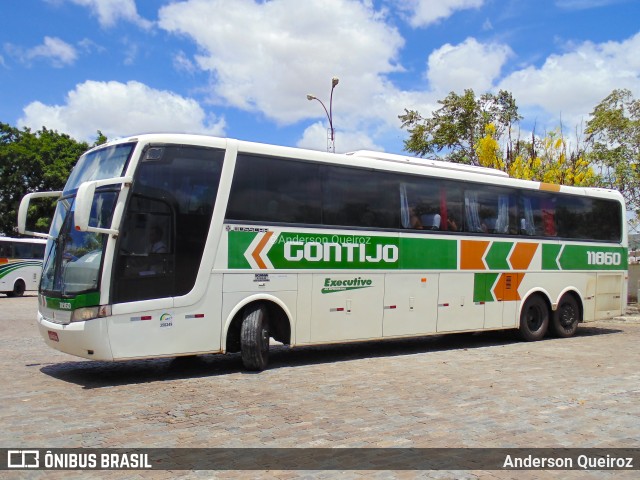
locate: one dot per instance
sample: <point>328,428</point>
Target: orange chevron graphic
<point>258,250</point>
<point>506,288</point>
<point>471,253</point>
<point>522,255</point>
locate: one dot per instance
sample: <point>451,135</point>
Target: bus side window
<point>38,251</point>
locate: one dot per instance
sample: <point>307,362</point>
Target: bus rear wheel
<point>18,289</point>
<point>566,317</point>
<point>254,338</point>
<point>534,319</point>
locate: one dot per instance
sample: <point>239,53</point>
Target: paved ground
<point>486,390</point>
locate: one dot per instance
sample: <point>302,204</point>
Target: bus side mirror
<point>84,202</point>
<point>23,211</point>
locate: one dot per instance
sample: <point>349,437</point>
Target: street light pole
<point>331,133</point>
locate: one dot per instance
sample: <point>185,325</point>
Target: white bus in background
<point>168,245</point>
<point>20,265</point>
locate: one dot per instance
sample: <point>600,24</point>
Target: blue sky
<point>242,68</point>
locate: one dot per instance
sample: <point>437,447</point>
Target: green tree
<point>613,133</point>
<point>102,139</point>
<point>29,162</point>
<point>460,124</point>
<point>479,131</point>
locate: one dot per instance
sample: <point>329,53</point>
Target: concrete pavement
<point>483,390</point>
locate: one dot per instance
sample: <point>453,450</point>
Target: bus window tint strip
<point>285,191</point>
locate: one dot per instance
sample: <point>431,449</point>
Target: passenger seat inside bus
<point>430,221</point>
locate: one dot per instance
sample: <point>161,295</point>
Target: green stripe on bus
<point>482,283</point>
<point>295,250</point>
<point>7,268</point>
<point>496,257</point>
<point>587,257</point>
<point>238,244</point>
<point>81,300</point>
<point>550,252</point>
<point>261,248</point>
<point>428,254</point>
<point>583,257</point>
<point>333,251</point>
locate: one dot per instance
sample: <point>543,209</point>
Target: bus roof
<point>22,240</point>
<point>376,159</point>
<point>391,157</point>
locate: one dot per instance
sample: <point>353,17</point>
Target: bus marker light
<point>139,319</point>
<point>196,315</point>
<point>53,336</point>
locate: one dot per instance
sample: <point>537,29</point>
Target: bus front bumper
<point>89,339</point>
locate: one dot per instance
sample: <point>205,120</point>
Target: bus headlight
<point>89,313</point>
<point>82,314</point>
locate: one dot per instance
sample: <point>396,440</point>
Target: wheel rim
<point>534,318</point>
<point>568,316</point>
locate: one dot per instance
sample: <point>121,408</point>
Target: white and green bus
<point>20,265</point>
<point>170,245</point>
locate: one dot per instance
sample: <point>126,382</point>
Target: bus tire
<point>534,319</point>
<point>18,289</point>
<point>566,317</point>
<point>254,338</point>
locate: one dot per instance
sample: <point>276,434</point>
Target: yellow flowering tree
<point>488,149</point>
<point>548,159</point>
<point>479,131</point>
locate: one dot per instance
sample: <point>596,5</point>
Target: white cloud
<point>131,52</point>
<point>119,109</point>
<point>183,64</point>
<point>585,4</point>
<point>110,11</point>
<point>88,46</point>
<point>54,50</point>
<point>294,48</point>
<point>426,12</point>
<point>573,83</point>
<point>266,56</point>
<point>456,67</point>
<point>315,138</point>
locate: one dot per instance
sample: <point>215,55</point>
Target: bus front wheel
<point>534,319</point>
<point>566,317</point>
<point>18,289</point>
<point>254,338</point>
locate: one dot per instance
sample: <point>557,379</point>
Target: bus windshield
<point>99,164</point>
<point>73,261</point>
